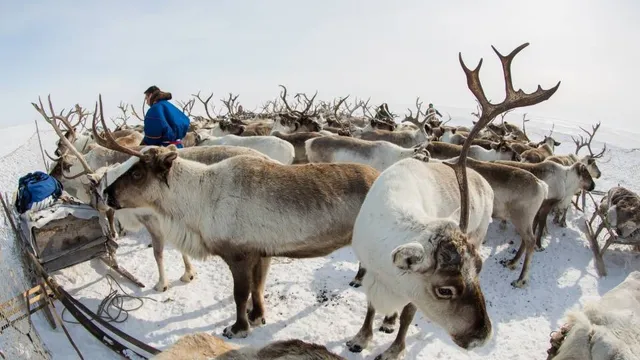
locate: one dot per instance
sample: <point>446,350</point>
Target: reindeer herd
<point>301,179</point>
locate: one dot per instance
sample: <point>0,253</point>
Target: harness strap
<point>176,142</point>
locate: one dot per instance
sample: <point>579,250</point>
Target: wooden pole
<point>46,165</point>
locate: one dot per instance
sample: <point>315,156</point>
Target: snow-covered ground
<point>311,299</point>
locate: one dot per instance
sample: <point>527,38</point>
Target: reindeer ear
<point>556,143</point>
<point>612,216</point>
<point>453,131</point>
<point>411,257</point>
<point>172,147</point>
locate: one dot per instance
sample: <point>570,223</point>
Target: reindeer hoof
<point>519,284</point>
<point>539,248</point>
<point>356,283</point>
<point>386,329</point>
<point>161,287</point>
<point>358,343</point>
<point>229,333</point>
<point>509,264</point>
<point>187,277</point>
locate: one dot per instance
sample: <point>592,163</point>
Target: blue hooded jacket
<point>165,124</point>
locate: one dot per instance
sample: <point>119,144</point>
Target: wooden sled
<point>612,237</point>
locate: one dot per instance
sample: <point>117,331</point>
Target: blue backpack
<point>36,187</point>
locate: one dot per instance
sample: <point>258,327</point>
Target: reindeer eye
<point>445,292</point>
<point>136,175</point>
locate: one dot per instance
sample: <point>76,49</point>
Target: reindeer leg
<point>389,323</point>
<point>158,249</point>
<point>511,264</point>
<point>396,350</point>
<point>528,243</point>
<point>260,270</point>
<point>362,338</point>
<point>189,273</point>
<point>357,280</point>
<point>241,266</point>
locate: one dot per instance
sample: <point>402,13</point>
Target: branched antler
<point>53,121</point>
<point>230,104</point>
<point>187,106</point>
<point>514,99</point>
<point>415,120</point>
<point>205,103</point>
<point>335,111</point>
<point>584,142</point>
<point>133,111</point>
<point>124,117</point>
<point>108,141</point>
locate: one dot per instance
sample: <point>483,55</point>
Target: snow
<point>311,300</point>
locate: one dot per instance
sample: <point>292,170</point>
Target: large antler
<point>53,120</point>
<point>410,118</point>
<point>583,142</point>
<point>514,99</point>
<point>337,107</point>
<point>230,103</point>
<point>205,103</point>
<point>108,141</point>
<point>133,111</point>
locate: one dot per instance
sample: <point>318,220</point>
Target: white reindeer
<point>339,149</point>
<point>604,329</point>
<point>416,255</point>
<point>271,146</point>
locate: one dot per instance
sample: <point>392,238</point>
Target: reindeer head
<point>586,181</point>
<point>447,134</point>
<point>285,123</point>
<point>442,269</point>
<point>505,151</point>
<point>234,127</point>
<point>590,162</point>
<point>551,142</point>
<point>142,180</point>
<point>623,211</point>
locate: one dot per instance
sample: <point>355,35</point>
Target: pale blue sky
<point>391,51</point>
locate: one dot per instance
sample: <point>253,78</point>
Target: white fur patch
<point>115,172</point>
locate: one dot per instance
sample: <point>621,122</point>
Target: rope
<point>112,307</point>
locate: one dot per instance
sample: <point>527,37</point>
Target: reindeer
<point>560,216</point>
<point>202,346</point>
<point>296,121</point>
<point>70,167</point>
<point>499,151</point>
<point>271,146</point>
<point>245,206</point>
<point>563,182</point>
<point>544,149</point>
<point>298,141</point>
<point>405,138</point>
<point>622,209</point>
<point>415,253</point>
<point>378,154</point>
<point>518,204</point>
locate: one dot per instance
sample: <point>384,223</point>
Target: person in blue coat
<point>164,124</point>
